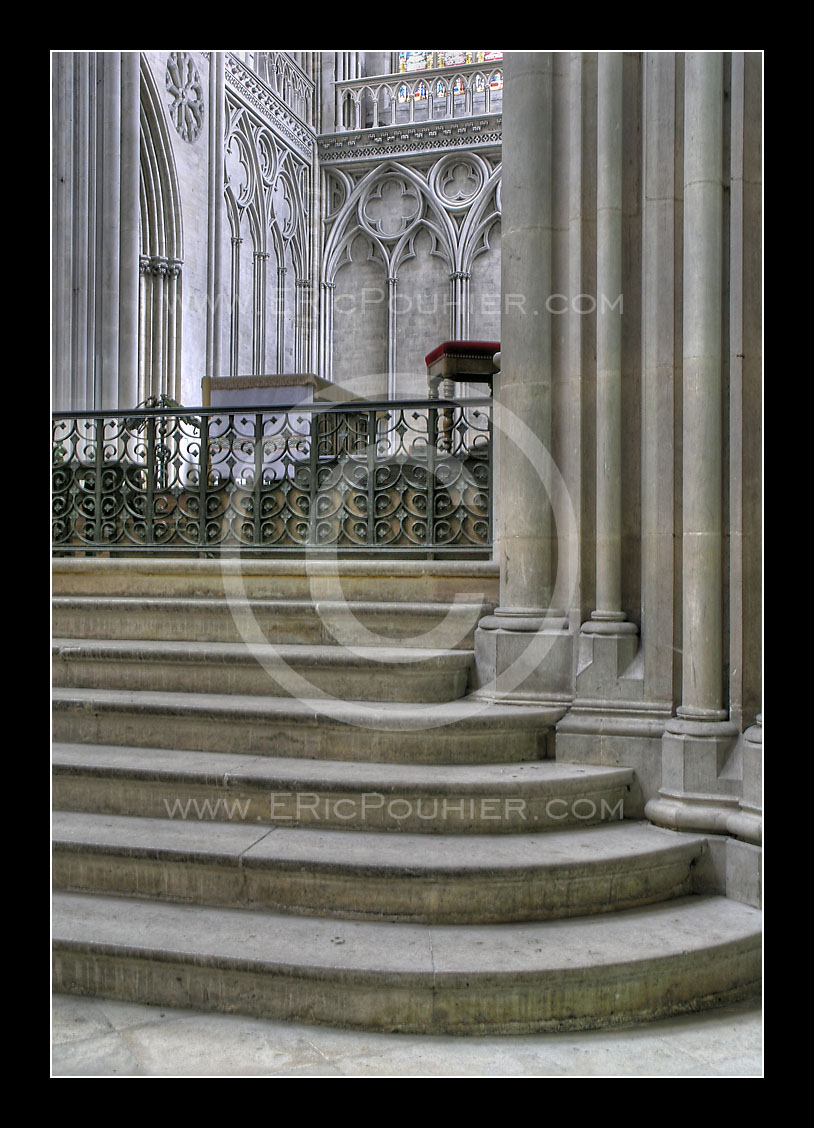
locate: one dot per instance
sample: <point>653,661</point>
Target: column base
<point>525,657</point>
<point>702,780</point>
<point>609,664</point>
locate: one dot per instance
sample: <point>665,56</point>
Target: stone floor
<point>104,1038</point>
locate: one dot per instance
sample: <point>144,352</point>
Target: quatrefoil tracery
<point>390,208</point>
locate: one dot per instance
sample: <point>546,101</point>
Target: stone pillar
<point>106,378</point>
<point>281,273</point>
<point>234,313</point>
<point>702,580</point>
<point>215,268</point>
<point>660,372</point>
<point>392,334</point>
<point>609,343</point>
<point>699,740</point>
<point>66,208</point>
<point>523,386</point>
<point>513,660</point>
<point>608,643</point>
<point>129,273</point>
<point>259,261</point>
<point>95,236</point>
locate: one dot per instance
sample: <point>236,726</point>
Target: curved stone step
<point>294,621</point>
<point>375,673</point>
<point>423,798</point>
<point>430,879</point>
<point>458,732</point>
<point>665,959</point>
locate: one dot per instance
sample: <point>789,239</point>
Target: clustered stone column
<point>698,741</point>
<point>96,276</point>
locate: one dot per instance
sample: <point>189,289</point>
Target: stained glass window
<point>410,61</point>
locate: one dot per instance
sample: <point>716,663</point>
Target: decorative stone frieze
<point>375,144</point>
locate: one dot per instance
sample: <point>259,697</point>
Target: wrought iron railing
<point>410,476</point>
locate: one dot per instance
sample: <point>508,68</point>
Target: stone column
<point>129,273</point>
<point>107,371</point>
<point>65,209</point>
<point>281,273</point>
<point>234,314</point>
<point>609,342</point>
<point>660,372</point>
<point>702,578</point>
<point>96,213</point>
<point>145,308</point>
<point>259,307</point>
<point>392,334</point>
<point>215,267</point>
<point>699,740</point>
<point>608,643</point>
<point>523,386</point>
<point>508,642</point>
<point>326,295</point>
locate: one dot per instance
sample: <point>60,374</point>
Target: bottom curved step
<point>687,955</point>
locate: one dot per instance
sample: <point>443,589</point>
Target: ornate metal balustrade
<point>407,477</point>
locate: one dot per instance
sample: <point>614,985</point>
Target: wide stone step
<point>457,732</point>
<point>375,876</point>
<point>378,580</point>
<point>374,673</point>
<point>420,798</point>
<point>664,959</point>
<point>257,620</point>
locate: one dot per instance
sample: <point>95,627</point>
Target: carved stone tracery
<point>186,96</point>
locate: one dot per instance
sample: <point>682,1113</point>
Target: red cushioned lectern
<point>460,360</point>
<point>457,360</point>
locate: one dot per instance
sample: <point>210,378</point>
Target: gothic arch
<point>349,215</point>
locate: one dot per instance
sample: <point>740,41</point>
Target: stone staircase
<point>273,796</point>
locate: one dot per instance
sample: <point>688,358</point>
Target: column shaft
<point>129,208</point>
<point>215,266</point>
<point>609,342</point>
<point>108,357</point>
<point>659,370</point>
<point>702,380</point>
<point>523,540</point>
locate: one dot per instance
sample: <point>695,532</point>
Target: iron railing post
<point>371,478</point>
<point>432,451</point>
